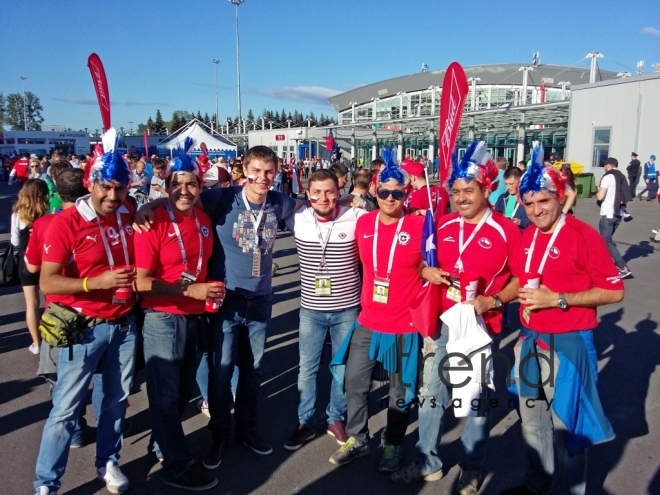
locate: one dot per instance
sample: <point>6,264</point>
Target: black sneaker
<point>252,440</point>
<point>214,456</point>
<point>299,437</point>
<point>349,451</point>
<point>194,479</point>
<point>625,272</point>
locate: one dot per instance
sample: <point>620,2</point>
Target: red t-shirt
<point>158,250</point>
<point>419,200</point>
<point>22,167</point>
<point>74,241</point>
<point>578,261</point>
<point>394,316</point>
<point>34,248</point>
<point>494,254</point>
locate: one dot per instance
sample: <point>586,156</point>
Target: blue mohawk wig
<point>539,177</point>
<point>182,161</point>
<point>392,170</point>
<point>476,164</point>
<point>110,166</point>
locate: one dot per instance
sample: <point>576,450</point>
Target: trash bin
<point>585,185</point>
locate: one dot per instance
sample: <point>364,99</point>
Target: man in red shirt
<point>419,198</point>
<point>171,262</point>
<point>20,170</point>
<point>555,355</point>
<point>389,245</point>
<point>86,266</point>
<point>479,241</point>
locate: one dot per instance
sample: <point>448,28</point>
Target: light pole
<point>25,125</point>
<point>216,61</point>
<point>131,127</point>
<point>238,64</point>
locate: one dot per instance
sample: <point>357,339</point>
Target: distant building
<point>44,142</point>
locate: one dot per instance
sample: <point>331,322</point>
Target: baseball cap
<point>612,161</point>
<point>652,157</point>
<point>633,154</point>
<point>216,174</point>
<point>414,169</point>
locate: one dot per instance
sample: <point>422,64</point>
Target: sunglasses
<point>396,194</point>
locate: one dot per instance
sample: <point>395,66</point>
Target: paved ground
<point>628,343</point>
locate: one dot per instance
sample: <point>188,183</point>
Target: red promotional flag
<point>145,136</point>
<point>454,93</point>
<point>101,86</point>
<point>204,149</point>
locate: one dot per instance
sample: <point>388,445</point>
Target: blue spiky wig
<point>392,170</point>
<point>182,161</point>
<point>539,177</point>
<point>476,164</point>
<point>110,166</point>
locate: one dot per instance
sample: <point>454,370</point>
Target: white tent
<point>216,144</point>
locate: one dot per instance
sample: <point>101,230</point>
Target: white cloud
<point>88,101</point>
<point>78,101</point>
<point>651,30</point>
<point>307,94</point>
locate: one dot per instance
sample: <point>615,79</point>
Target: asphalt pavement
<point>627,341</point>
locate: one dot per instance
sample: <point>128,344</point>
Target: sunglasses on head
<point>396,194</point>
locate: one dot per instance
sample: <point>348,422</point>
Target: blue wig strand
<point>466,168</point>
<point>533,179</point>
<point>392,171</point>
<point>182,161</point>
<point>115,168</point>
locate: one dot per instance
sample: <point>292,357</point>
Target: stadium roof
<point>498,74</point>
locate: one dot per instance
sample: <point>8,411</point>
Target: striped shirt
<point>341,257</point>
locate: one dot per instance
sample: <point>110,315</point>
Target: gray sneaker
<point>412,474</point>
<point>391,458</point>
<point>468,483</point>
<point>349,451</point>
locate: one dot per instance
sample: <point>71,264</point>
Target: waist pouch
<point>61,326</point>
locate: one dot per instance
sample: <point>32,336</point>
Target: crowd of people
<point>174,258</point>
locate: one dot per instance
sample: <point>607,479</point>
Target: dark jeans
<point>171,354</point>
<point>633,180</point>
<point>652,188</point>
<point>358,382</point>
<point>238,337</point>
<point>607,227</point>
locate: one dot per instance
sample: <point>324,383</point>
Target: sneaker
<point>627,218</point>
<point>252,440</point>
<point>391,458</point>
<point>78,439</point>
<point>214,456</point>
<point>518,490</point>
<point>468,483</point>
<point>301,434</point>
<point>194,479</point>
<point>34,349</point>
<point>625,272</point>
<point>203,407</point>
<point>114,479</point>
<point>44,490</point>
<point>655,231</point>
<point>337,430</point>
<point>412,474</point>
<point>653,239</point>
<point>349,451</point>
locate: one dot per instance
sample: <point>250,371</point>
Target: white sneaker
<point>203,407</point>
<point>655,231</point>
<point>34,349</point>
<point>114,479</point>
<point>44,490</point>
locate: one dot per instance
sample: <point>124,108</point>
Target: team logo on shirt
<point>404,238</point>
<point>554,253</point>
<point>129,230</point>
<point>448,239</point>
<point>91,238</point>
<point>342,235</point>
<point>485,243</point>
<point>205,231</point>
<point>113,235</point>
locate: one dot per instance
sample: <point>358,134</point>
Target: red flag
<point>204,149</point>
<point>101,86</point>
<point>145,136</point>
<point>454,93</point>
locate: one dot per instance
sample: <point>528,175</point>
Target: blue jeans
<point>203,377</point>
<point>313,328</point>
<point>171,356</point>
<point>105,344</point>
<point>607,227</point>
<point>238,337</point>
<point>551,468</point>
<point>434,395</point>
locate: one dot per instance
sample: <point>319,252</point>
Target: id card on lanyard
<point>527,314</point>
<point>322,279</point>
<point>108,251</point>
<point>454,290</point>
<point>186,276</point>
<point>254,237</point>
<point>381,289</point>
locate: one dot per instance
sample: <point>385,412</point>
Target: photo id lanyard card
<point>381,291</point>
<point>322,280</point>
<point>187,277</point>
<point>254,235</point>
<point>527,314</point>
<point>108,251</point>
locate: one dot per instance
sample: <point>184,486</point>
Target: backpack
<point>9,267</point>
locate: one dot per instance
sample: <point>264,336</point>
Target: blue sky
<point>294,53</point>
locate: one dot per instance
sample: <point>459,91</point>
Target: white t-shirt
<point>607,206</point>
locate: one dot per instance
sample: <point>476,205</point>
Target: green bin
<point>585,184</point>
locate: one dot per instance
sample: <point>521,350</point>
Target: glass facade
<point>601,146</point>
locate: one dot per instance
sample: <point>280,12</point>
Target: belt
<point>117,321</point>
<point>244,296</point>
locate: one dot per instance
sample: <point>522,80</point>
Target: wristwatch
<point>562,303</point>
<point>497,302</point>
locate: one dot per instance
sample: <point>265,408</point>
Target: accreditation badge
<point>322,284</point>
<point>187,278</point>
<point>454,290</point>
<point>381,290</point>
<point>256,262</point>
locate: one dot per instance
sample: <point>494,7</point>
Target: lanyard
<point>392,249</point>
<point>561,223</point>
<point>462,246</point>
<point>324,242</point>
<point>198,270</point>
<point>256,221</point>
<point>108,251</point>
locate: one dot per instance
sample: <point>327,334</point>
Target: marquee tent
<point>216,143</point>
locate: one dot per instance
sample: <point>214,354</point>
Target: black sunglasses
<point>396,194</point>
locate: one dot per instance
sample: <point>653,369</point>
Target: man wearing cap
<point>651,179</point>
<point>613,194</point>
<point>96,283</point>
<point>633,169</point>
<point>555,358</point>
<point>419,198</point>
<point>474,241</point>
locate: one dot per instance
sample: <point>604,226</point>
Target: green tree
<point>199,116</point>
<point>150,125</point>
<point>179,119</point>
<point>17,108</point>
<point>250,116</point>
<point>2,112</point>
<point>207,120</point>
<point>159,124</point>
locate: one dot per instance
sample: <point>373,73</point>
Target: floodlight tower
<point>238,63</point>
<point>25,126</point>
<point>216,61</point>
